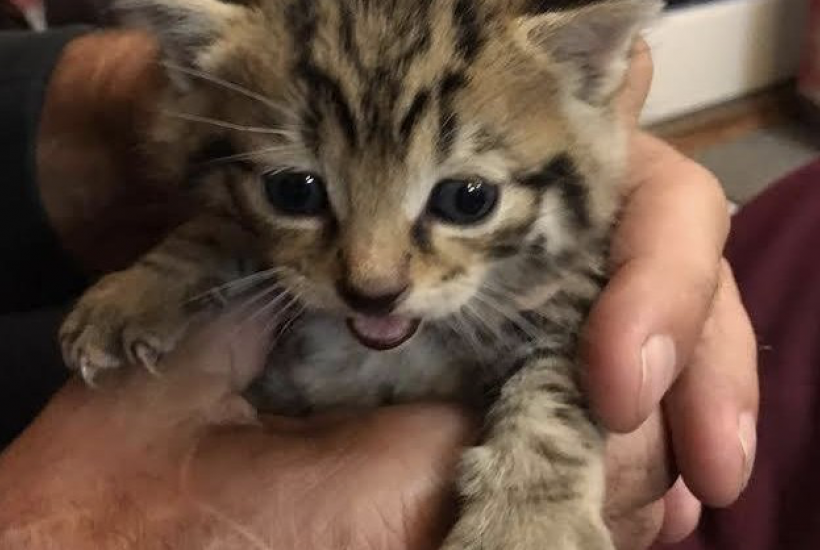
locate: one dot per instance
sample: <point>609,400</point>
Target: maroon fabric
<point>775,251</point>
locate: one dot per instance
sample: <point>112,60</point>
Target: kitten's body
<point>318,364</point>
<point>417,196</point>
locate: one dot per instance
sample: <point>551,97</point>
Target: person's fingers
<point>642,502</point>
<point>638,468</point>
<point>712,410</point>
<point>681,514</point>
<point>201,381</point>
<point>639,474</point>
<point>638,530</point>
<point>637,84</point>
<point>665,258</point>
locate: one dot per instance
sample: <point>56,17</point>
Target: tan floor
<point>749,143</point>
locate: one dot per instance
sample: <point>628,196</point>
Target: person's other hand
<point>105,198</point>
<point>670,341</point>
<point>182,462</point>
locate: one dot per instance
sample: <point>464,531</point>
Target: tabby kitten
<point>418,196</point>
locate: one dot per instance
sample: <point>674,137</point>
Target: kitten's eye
<point>296,193</point>
<point>463,202</point>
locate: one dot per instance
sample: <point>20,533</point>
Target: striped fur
<point>382,100</point>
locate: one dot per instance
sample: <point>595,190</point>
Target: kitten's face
<point>402,160</point>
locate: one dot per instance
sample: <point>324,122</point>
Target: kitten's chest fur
<point>319,365</point>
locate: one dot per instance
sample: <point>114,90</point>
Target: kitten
<point>418,196</point>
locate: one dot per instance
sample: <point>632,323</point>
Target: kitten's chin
<point>383,333</point>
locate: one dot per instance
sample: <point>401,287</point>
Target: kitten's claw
<point>88,373</point>
<point>92,362</point>
<point>123,320</point>
<point>147,355</point>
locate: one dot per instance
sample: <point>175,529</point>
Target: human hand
<point>670,334</point>
<point>182,462</point>
<point>106,200</point>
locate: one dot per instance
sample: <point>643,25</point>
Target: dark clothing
<point>774,250</point>
<point>35,273</point>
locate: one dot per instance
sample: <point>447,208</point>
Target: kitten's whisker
<point>271,305</point>
<point>239,284</point>
<point>482,323</point>
<point>455,324</point>
<point>280,314</point>
<point>229,125</point>
<point>510,314</point>
<point>293,318</point>
<point>270,329</point>
<point>469,333</point>
<point>251,306</point>
<point>552,320</point>
<point>506,313</point>
<point>288,148</point>
<point>230,86</point>
<point>464,318</point>
<point>462,330</point>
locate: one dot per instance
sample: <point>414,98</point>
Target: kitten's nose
<point>371,303</point>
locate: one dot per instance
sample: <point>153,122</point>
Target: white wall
<point>710,53</point>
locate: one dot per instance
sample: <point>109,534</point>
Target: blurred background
<point>735,87</point>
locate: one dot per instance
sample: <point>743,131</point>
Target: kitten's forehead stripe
<point>348,38</point>
<point>535,7</point>
<point>485,141</point>
<point>451,84</point>
<point>302,19</point>
<point>322,86</point>
<point>414,114</point>
<point>469,36</point>
<point>378,104</point>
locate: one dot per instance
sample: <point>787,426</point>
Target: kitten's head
<point>403,159</point>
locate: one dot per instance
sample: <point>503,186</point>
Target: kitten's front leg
<point>139,314</point>
<point>537,481</point>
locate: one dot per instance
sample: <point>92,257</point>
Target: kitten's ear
<point>590,43</point>
<point>184,28</point>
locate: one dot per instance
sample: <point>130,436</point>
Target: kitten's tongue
<point>382,333</point>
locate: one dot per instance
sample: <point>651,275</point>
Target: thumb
<point>229,351</point>
<point>202,380</point>
<point>637,83</point>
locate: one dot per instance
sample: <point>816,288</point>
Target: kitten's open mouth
<point>384,332</point>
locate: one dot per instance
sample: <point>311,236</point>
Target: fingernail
<point>747,432</point>
<point>658,359</point>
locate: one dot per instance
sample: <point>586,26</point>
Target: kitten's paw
<point>552,528</point>
<point>517,500</point>
<point>125,319</point>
